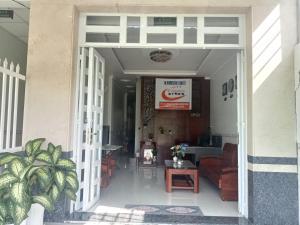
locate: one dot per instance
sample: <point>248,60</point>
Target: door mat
<point>166,209</point>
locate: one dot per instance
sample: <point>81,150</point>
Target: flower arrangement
<point>178,151</point>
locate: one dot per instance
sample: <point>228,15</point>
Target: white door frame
<point>242,102</point>
<point>242,131</point>
<point>88,126</point>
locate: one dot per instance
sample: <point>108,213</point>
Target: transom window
<point>199,31</point>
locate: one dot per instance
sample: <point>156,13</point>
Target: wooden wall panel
<point>179,126</point>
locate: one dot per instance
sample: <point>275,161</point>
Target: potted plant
<point>34,182</point>
<point>154,152</point>
<point>178,152</point>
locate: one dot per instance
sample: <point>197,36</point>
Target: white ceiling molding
<point>161,72</point>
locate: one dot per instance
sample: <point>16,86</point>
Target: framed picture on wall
<point>231,85</point>
<point>148,156</point>
<point>235,81</point>
<point>224,89</point>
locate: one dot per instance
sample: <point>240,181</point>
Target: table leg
<point>168,181</point>
<point>196,181</point>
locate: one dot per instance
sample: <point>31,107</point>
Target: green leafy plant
<point>41,176</point>
<point>179,150</point>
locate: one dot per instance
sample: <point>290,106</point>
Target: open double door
<point>89,127</point>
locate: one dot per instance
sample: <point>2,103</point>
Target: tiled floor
<point>147,187</point>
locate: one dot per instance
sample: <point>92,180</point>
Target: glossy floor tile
<point>147,187</point>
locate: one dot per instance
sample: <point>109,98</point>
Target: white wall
<point>117,126</point>
<point>223,120</point>
<point>112,68</point>
<point>13,49</point>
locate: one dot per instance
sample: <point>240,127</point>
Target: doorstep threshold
<point>164,220</point>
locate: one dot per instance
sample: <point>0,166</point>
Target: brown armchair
<point>222,171</point>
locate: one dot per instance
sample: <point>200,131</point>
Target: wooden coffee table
<point>185,176</point>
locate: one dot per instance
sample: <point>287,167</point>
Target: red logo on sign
<point>167,98</point>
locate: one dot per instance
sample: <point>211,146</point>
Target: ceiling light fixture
<point>160,56</point>
<point>7,14</point>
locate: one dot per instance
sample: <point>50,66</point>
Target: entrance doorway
<point>109,41</point>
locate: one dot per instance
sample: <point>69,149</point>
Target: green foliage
<point>41,176</point>
<point>59,178</point>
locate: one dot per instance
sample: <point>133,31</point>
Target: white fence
<point>12,89</point>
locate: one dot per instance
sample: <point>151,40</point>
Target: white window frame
<point>145,29</point>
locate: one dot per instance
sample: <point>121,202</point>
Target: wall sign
<point>173,94</point>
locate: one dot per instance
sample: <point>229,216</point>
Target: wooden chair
<point>140,155</point>
<point>104,176</point>
<point>108,166</point>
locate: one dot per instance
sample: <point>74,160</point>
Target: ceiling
<point>128,63</point>
<point>181,60</point>
<point>19,25</point>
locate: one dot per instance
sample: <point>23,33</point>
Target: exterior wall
<point>271,102</point>
<point>48,98</point>
<point>223,114</point>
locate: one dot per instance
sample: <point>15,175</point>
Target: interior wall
<point>223,120</point>
<point>107,100</point>
<point>117,126</point>
<point>177,125</point>
<point>112,69</point>
<point>138,120</point>
<point>14,50</point>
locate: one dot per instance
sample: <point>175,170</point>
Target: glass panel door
<point>89,127</point>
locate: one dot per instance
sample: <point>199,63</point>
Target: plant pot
<point>23,223</point>
<point>35,215</point>
<point>175,159</point>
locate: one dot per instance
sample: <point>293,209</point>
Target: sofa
<point>222,171</point>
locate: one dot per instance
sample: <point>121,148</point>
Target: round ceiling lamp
<point>160,56</point>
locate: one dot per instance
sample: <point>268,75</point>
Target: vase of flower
<point>178,152</point>
<point>175,159</point>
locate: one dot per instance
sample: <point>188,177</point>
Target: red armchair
<point>222,171</point>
